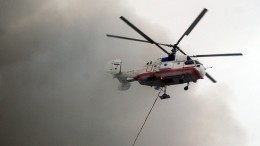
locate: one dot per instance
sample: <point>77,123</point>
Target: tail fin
<point>114,67</point>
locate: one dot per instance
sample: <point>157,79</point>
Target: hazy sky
<point>53,90</point>
<point>229,26</point>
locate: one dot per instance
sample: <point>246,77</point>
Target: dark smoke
<point>53,90</point>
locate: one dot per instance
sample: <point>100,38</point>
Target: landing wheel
<point>186,87</point>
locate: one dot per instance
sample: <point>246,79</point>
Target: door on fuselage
<point>149,68</point>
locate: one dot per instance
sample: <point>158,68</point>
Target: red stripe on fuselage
<point>170,72</point>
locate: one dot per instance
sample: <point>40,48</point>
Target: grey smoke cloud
<point>53,90</point>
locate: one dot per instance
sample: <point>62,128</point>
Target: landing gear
<point>186,87</point>
<point>164,96</point>
<point>181,80</point>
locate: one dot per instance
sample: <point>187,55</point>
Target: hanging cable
<point>147,117</point>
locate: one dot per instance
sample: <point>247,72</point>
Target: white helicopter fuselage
<point>159,73</point>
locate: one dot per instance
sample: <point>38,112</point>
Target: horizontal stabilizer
<point>124,86</point>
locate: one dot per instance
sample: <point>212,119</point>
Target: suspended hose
<point>147,117</point>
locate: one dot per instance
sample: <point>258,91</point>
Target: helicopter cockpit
<point>189,62</point>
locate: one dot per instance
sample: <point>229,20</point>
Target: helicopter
<point>162,72</point>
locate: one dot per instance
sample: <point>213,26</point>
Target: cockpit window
<point>189,62</point>
<point>197,62</point>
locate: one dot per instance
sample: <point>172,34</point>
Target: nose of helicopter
<point>201,69</point>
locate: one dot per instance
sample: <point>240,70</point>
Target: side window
<point>149,63</point>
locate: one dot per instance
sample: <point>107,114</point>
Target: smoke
<point>53,90</point>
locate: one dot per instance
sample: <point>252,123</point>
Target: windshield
<point>197,62</point>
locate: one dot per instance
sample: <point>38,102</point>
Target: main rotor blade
<point>212,79</point>
<point>218,55</point>
<point>126,38</point>
<point>138,40</point>
<point>182,51</point>
<point>195,22</point>
<point>142,34</point>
